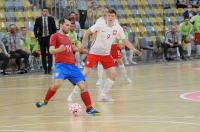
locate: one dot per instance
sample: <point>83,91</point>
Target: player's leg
<point>123,70</point>
<point>130,57</point>
<point>123,52</point>
<point>50,93</point>
<point>112,75</point>
<point>109,66</point>
<point>100,74</point>
<point>77,78</point>
<point>86,72</point>
<point>90,62</point>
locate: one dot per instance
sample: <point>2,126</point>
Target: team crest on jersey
<point>56,74</point>
<point>114,32</point>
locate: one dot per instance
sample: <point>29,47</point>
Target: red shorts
<point>107,61</point>
<point>197,38</point>
<point>115,52</point>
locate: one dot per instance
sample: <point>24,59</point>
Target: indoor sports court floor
<point>155,102</point>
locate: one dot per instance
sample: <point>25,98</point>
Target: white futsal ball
<point>75,109</point>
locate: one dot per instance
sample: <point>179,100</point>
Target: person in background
<point>172,40</point>
<point>12,42</point>
<point>185,30</point>
<point>82,9</point>
<point>44,27</point>
<point>195,20</point>
<point>4,56</point>
<point>73,18</point>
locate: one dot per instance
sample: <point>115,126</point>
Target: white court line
<point>105,121</point>
<point>105,116</point>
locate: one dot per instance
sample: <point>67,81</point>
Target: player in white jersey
<point>115,52</point>
<point>106,33</point>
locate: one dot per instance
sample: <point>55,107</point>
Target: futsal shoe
<point>129,80</point>
<point>92,111</point>
<point>99,82</point>
<point>40,104</point>
<point>73,94</point>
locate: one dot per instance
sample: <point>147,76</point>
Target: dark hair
<point>61,21</point>
<point>45,8</point>
<point>112,11</point>
<point>12,25</point>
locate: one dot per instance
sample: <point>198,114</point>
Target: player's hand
<point>8,55</point>
<point>81,48</point>
<point>139,53</point>
<point>61,48</point>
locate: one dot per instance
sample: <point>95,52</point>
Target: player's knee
<point>83,86</point>
<point>113,76</point>
<point>56,86</point>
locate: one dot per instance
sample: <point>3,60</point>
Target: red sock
<point>86,99</point>
<point>50,93</point>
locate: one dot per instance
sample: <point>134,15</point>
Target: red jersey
<point>67,56</point>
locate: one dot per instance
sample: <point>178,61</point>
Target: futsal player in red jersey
<point>61,47</point>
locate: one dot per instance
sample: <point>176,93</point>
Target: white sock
<point>189,48</point>
<point>123,70</point>
<point>130,57</point>
<point>75,91</point>
<point>123,51</point>
<point>107,86</point>
<point>177,52</point>
<point>100,71</point>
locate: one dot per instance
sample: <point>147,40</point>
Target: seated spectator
<point>79,57</point>
<point>181,3</point>
<point>172,40</point>
<point>185,30</point>
<point>35,54</point>
<point>4,56</point>
<point>189,13</point>
<point>12,42</point>
<point>73,18</point>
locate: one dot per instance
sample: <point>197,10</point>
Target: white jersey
<point>105,37</point>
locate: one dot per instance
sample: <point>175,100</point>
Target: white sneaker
<point>105,98</point>
<point>133,62</point>
<point>69,98</point>
<point>129,80</point>
<point>98,83</point>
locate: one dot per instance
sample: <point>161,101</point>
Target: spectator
<point>186,29</point>
<point>4,56</point>
<point>44,27</point>
<point>189,13</point>
<point>172,40</point>
<point>82,8</point>
<point>181,3</point>
<point>25,41</point>
<point>196,22</point>
<point>73,19</point>
<point>12,42</point>
<point>78,56</point>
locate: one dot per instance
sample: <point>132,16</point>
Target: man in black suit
<point>44,27</point>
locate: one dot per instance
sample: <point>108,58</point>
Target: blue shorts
<point>68,71</point>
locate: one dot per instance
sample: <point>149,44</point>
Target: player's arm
<point>85,38</point>
<point>54,50</point>
<point>131,47</point>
